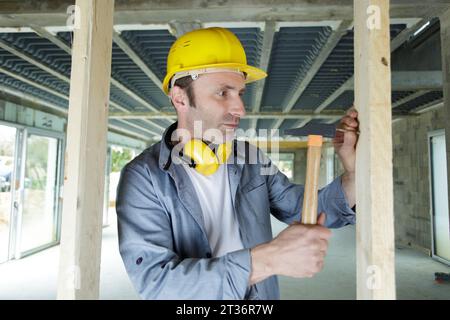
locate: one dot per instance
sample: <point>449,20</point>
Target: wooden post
<point>374,185</point>
<point>445,49</point>
<point>79,271</point>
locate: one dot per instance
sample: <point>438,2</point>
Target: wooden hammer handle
<point>310,196</point>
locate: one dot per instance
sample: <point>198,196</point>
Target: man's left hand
<point>346,138</point>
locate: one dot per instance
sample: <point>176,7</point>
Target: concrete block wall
<point>411,178</point>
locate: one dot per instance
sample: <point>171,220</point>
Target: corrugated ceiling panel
<point>343,102</point>
<point>398,95</point>
<point>294,50</point>
<point>26,88</point>
<point>420,101</point>
<point>251,39</point>
<point>27,70</point>
<point>130,128</point>
<point>337,69</point>
<point>288,124</point>
<point>265,124</point>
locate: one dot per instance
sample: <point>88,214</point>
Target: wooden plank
<point>259,115</point>
<point>79,271</point>
<point>284,145</point>
<point>374,185</point>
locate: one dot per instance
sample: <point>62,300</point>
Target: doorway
<point>439,197</point>
<point>39,203</point>
<point>7,156</point>
<point>30,180</point>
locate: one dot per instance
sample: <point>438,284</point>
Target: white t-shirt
<point>222,227</point>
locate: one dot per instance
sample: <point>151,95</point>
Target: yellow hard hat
<point>209,49</point>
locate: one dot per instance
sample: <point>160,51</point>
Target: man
<point>192,229</point>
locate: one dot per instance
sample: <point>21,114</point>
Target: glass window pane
<point>284,162</point>
<point>7,152</point>
<point>39,204</point>
<point>120,156</point>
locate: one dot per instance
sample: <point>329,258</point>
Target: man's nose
<point>238,108</point>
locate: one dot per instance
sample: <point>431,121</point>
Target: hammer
<point>315,133</point>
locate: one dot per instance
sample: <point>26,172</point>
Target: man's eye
<point>221,93</point>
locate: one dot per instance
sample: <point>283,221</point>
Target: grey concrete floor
<point>414,273</point>
<point>35,277</point>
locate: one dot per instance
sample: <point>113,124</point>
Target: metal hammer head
<point>319,129</point>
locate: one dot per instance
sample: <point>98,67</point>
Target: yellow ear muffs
<point>205,160</point>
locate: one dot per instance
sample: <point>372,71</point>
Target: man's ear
<point>179,99</point>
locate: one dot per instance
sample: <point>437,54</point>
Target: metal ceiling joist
<point>178,28</point>
<point>33,99</point>
<point>429,106</point>
<point>33,61</point>
<point>302,122</point>
<point>266,50</point>
<point>348,85</point>
<point>409,98</point>
<point>33,83</point>
<point>136,59</point>
<point>44,33</point>
<point>139,27</point>
<point>401,81</point>
<point>318,62</point>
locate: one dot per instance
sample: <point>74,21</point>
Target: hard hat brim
<point>252,73</point>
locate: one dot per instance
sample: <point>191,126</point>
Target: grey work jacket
<point>162,238</point>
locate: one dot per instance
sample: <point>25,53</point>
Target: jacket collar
<point>165,152</point>
<point>166,148</point>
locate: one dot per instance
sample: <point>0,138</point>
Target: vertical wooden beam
<point>79,271</point>
<point>374,185</point>
<point>445,51</point>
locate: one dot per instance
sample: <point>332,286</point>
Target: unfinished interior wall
<point>19,114</point>
<point>411,178</point>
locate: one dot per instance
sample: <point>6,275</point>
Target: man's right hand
<point>298,251</point>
